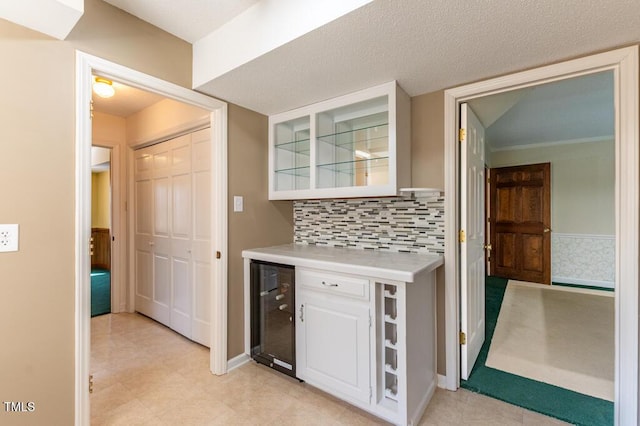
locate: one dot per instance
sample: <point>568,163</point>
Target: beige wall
<point>427,170</point>
<point>101,200</point>
<point>582,184</point>
<point>162,119</point>
<point>38,123</point>
<point>262,223</point>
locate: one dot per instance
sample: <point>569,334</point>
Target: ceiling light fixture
<point>103,87</point>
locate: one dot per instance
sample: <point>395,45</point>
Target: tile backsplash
<point>393,224</point>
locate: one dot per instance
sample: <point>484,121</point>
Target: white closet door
<point>201,253</point>
<point>143,240</point>
<point>181,234</point>
<point>152,239</point>
<point>172,194</point>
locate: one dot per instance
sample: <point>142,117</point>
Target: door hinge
<point>91,109</point>
<point>462,133</point>
<point>463,338</point>
<point>370,321</point>
<point>462,236</point>
<point>91,383</point>
<point>218,255</point>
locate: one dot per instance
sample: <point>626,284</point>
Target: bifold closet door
<point>180,231</point>
<point>172,233</point>
<point>152,239</point>
<point>202,234</point>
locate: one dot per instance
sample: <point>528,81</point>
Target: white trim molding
<point>237,361</point>
<point>624,65</point>
<point>86,65</point>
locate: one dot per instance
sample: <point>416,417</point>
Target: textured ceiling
<point>426,46</point>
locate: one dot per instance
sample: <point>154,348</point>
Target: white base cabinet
<point>368,341</point>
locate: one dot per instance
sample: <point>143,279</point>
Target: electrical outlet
<point>9,237</point>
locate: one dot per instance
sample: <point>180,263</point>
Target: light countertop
<point>377,264</point>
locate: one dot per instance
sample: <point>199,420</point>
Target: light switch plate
<point>238,203</point>
<point>9,237</point>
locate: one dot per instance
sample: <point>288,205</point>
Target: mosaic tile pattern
<point>393,224</point>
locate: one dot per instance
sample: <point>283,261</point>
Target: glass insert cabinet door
<point>352,145</point>
<point>355,145</point>
<point>292,154</point>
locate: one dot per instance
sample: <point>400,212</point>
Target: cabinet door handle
<point>301,313</point>
<point>329,285</point>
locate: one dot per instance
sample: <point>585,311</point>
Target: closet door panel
<point>202,217</point>
<point>161,288</point>
<point>161,206</point>
<point>144,287</point>
<point>182,293</point>
<point>201,311</point>
<point>202,255</point>
<point>181,206</point>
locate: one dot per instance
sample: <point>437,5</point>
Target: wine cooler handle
<point>302,313</point>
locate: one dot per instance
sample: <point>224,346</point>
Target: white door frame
<point>86,65</point>
<point>624,64</point>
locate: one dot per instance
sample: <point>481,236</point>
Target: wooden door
<point>472,241</point>
<point>520,222</point>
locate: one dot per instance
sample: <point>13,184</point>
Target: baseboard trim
<point>442,381</point>
<point>579,281</point>
<point>237,361</point>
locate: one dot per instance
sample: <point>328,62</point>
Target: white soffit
<point>189,20</point>
<point>425,45</point>
<point>260,29</point>
<point>55,18</point>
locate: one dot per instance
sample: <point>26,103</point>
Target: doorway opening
<point>541,336</point>
<point>624,65</point>
<point>101,221</point>
<point>87,66</point>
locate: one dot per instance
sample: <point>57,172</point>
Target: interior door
<point>201,242</point>
<point>520,222</point>
<point>181,234</point>
<point>153,293</point>
<point>173,208</point>
<point>472,238</point>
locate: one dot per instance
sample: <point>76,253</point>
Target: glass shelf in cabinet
<point>382,128</point>
<point>298,147</point>
<point>295,171</point>
<point>351,167</point>
<point>380,143</point>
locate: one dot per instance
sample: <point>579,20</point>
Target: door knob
<point>546,230</point>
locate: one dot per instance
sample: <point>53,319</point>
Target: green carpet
<point>100,292</point>
<point>541,397</point>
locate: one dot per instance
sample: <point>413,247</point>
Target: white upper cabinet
<point>356,145</point>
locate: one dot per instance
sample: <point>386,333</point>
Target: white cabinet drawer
<point>333,283</point>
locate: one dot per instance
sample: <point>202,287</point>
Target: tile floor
<point>145,374</point>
